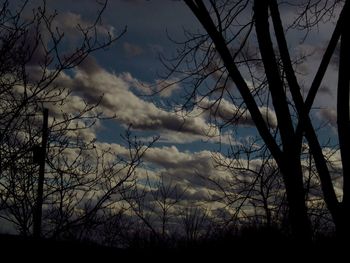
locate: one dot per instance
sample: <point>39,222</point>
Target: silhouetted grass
<point>251,243</point>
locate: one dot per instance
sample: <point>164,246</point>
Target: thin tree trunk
<point>39,199</point>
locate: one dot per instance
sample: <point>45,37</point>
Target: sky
<point>123,73</point>
<point>134,62</point>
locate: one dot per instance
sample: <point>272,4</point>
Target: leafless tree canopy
<point>238,69</point>
<point>239,66</point>
<point>80,179</point>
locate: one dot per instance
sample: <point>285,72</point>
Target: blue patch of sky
<point>147,24</point>
<point>111,131</point>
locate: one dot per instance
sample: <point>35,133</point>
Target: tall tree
<point>77,178</point>
<point>267,78</point>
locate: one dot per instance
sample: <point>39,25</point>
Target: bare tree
<point>81,178</point>
<point>158,204</point>
<point>33,56</point>
<point>195,221</point>
<point>79,189</point>
<point>256,79</point>
<point>255,191</point>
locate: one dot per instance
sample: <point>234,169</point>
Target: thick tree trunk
<point>304,108</point>
<point>298,217</point>
<point>290,165</point>
<point>199,10</point>
<point>342,224</point>
<point>343,121</point>
<point>289,159</point>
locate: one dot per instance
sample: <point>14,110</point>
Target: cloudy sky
<point>130,66</point>
<point>127,72</point>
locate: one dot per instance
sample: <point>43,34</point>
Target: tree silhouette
<point>255,185</point>
<point>77,179</point>
<point>266,77</point>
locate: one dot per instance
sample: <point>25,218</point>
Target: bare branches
<point>264,78</point>
<point>81,179</point>
<point>303,112</point>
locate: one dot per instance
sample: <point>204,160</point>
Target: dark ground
<point>250,248</point>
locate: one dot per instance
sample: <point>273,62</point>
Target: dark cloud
<point>156,48</point>
<point>71,24</point>
<point>329,115</point>
<point>336,56</point>
<point>90,65</point>
<point>132,50</point>
<point>135,1</point>
<point>326,90</point>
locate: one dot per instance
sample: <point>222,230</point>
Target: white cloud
<point>162,87</point>
<point>119,100</point>
<point>89,83</point>
<point>228,112</point>
<point>165,88</point>
<point>190,167</point>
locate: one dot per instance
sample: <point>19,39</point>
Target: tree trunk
<point>290,165</point>
<point>298,217</point>
<point>303,109</point>
<point>39,199</point>
<point>343,121</point>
